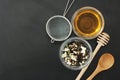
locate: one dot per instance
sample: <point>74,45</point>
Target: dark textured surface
<point>25,49</point>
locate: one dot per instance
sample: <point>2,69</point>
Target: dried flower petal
<point>75,53</point>
<point>83,49</point>
<point>68,62</point>
<point>73,57</point>
<point>66,49</point>
<point>64,55</point>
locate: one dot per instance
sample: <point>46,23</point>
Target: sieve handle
<point>52,41</point>
<point>68,6</point>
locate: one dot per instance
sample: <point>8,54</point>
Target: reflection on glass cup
<point>88,22</point>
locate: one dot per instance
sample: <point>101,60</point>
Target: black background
<point>25,49</point>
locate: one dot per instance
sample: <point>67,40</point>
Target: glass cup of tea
<point>88,22</point>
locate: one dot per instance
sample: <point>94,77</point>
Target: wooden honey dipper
<point>102,40</point>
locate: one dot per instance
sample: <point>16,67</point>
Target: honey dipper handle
<point>84,69</point>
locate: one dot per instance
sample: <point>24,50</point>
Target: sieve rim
<point>47,30</point>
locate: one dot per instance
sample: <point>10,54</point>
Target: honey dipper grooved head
<point>103,39</point>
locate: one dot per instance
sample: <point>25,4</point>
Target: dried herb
<point>75,53</point>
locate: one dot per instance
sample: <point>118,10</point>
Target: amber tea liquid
<point>87,23</point>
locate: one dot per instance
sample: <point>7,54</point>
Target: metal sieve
<point>58,27</point>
